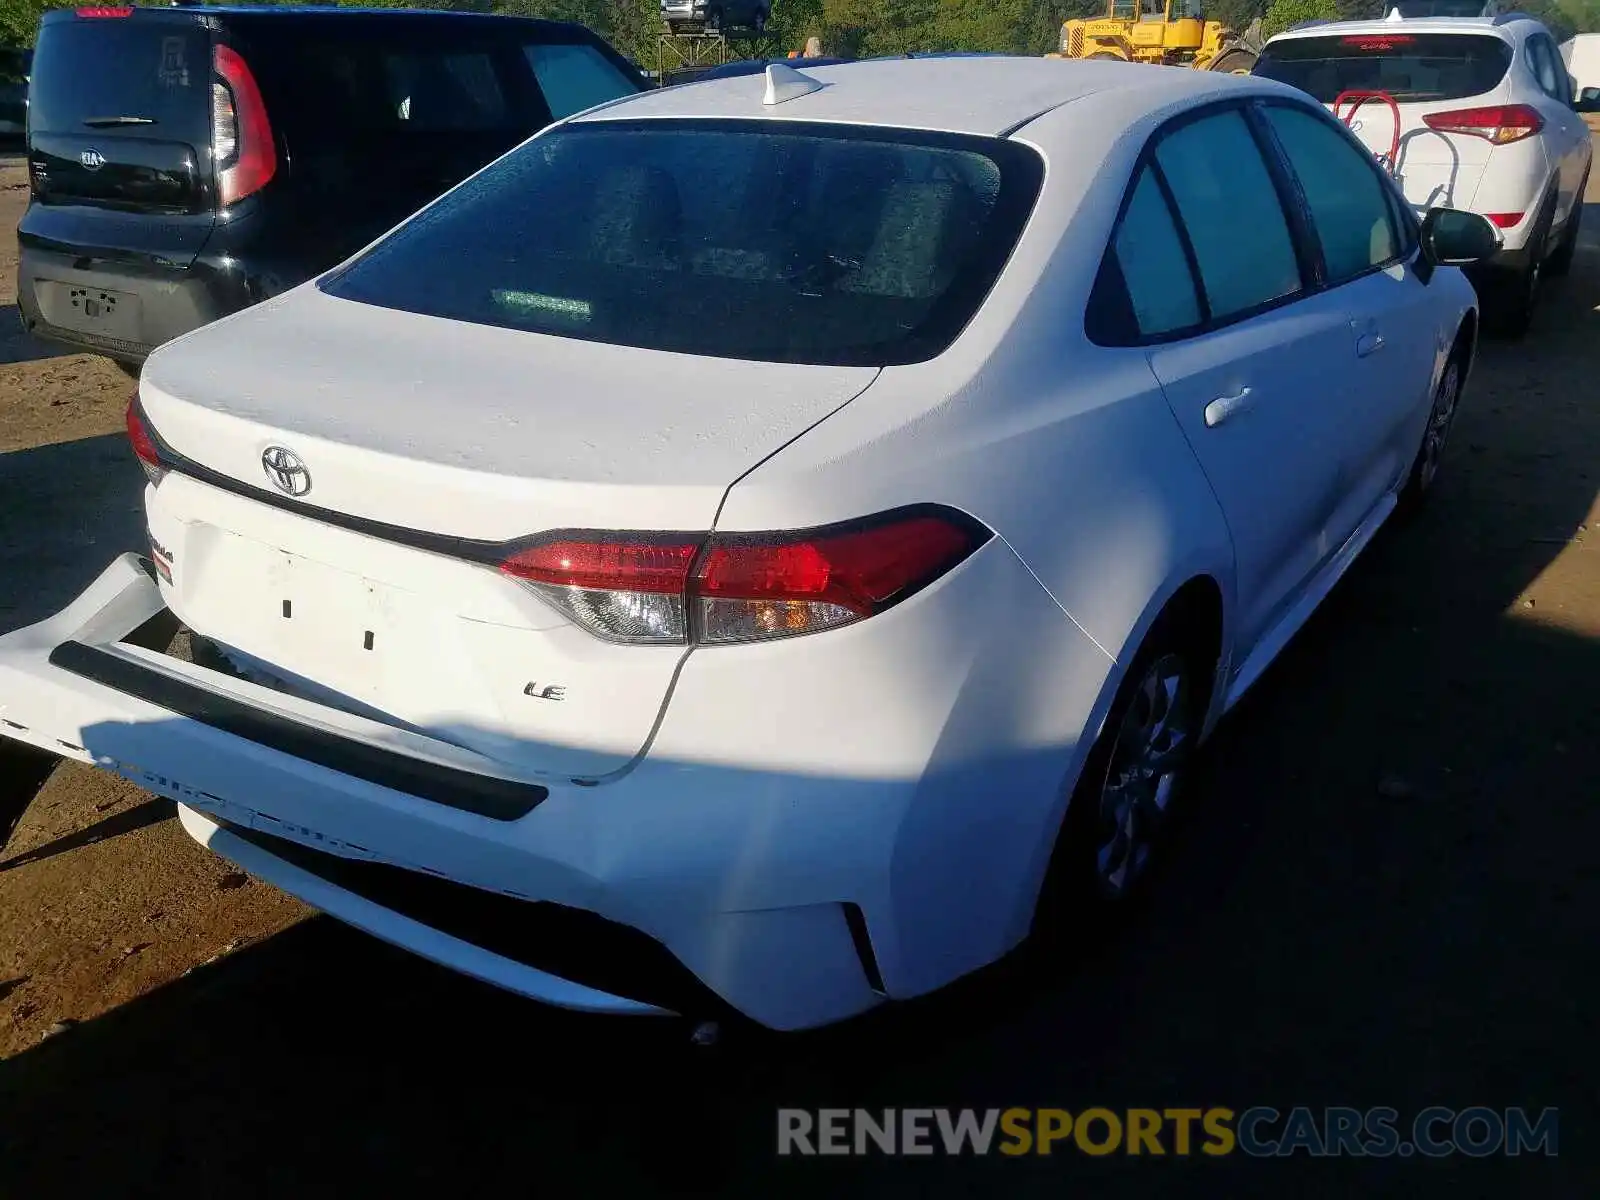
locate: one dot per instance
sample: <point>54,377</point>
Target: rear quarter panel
<point>1067,450</point>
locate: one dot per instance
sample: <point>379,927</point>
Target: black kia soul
<point>188,162</point>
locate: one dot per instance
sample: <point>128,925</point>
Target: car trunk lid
<point>430,449</point>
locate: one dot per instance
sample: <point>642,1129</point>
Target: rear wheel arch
<point>1194,615</point>
<point>1191,622</point>
<point>1466,343</point>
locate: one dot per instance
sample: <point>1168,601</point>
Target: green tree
<point>1238,15</point>
<point>1282,14</point>
<point>19,21</point>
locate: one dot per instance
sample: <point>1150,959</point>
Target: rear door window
<point>1413,67</point>
<point>339,85</point>
<point>574,77</point>
<point>441,92</point>
<point>1353,219</point>
<point>1147,276</point>
<point>1230,209</point>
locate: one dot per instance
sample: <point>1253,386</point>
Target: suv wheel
<point>1561,261</point>
<point>1511,298</point>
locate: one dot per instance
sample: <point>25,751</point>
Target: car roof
<point>1504,25</point>
<point>976,95</point>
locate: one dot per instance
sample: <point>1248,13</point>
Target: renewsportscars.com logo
<point>1258,1132</point>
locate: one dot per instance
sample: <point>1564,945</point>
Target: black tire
<point>1511,297</point>
<point>1082,879</point>
<point>1560,263</point>
<point>1441,419</point>
<point>1237,61</point>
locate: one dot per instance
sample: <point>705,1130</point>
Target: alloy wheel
<point>1445,402</point>
<point>1152,744</point>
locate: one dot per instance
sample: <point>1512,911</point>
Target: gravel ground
<point>1386,896</point>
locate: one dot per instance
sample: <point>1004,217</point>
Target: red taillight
<point>742,587</point>
<point>102,11</point>
<point>1505,220</point>
<point>1497,123</point>
<point>761,587</point>
<point>144,443</point>
<point>241,135</point>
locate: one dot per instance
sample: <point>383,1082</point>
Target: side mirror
<point>1588,101</point>
<point>1453,238</point>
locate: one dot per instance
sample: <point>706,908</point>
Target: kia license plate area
<point>86,309</point>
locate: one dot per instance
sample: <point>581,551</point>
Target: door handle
<point>1223,407</point>
<point>1368,343</point>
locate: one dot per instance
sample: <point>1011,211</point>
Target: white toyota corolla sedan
<point>743,548</point>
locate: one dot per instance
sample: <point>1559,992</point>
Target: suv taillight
<point>724,588</point>
<point>144,444</point>
<point>241,135</point>
<point>1497,123</point>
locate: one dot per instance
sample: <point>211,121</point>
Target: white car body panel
<point>407,444</point>
<point>737,803</point>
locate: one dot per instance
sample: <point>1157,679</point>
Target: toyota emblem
<point>286,470</point>
<point>92,160</point>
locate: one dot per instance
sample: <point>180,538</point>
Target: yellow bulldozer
<point>1164,32</point>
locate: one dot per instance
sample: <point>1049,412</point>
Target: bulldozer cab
<point>1154,10</point>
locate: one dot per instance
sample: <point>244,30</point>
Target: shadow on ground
<point>1386,896</point>
<point>17,345</point>
<point>65,511</point>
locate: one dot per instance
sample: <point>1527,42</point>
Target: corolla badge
<point>92,160</point>
<point>286,470</point>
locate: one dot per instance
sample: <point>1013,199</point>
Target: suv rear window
<point>1409,66</point>
<point>792,243</point>
<point>158,72</point>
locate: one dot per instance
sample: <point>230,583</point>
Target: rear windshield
<point>87,73</point>
<point>1409,66</point>
<point>817,244</point>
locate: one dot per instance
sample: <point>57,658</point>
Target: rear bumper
<point>793,897</point>
<point>169,301</point>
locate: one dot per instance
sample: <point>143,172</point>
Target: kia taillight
<point>241,135</point>
<point>104,12</point>
<point>725,588</point>
<point>144,443</point>
<point>1497,123</point>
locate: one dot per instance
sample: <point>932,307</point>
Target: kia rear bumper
<point>122,309</point>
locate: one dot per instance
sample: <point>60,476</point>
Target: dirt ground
<point>1386,895</point>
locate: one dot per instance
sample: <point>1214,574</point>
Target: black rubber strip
<point>500,799</point>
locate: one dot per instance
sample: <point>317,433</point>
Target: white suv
<point>1486,122</point>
